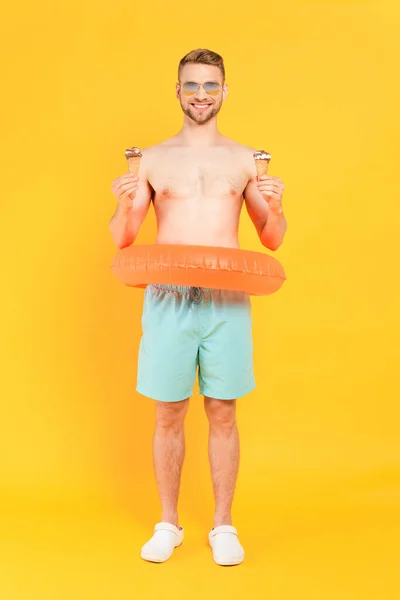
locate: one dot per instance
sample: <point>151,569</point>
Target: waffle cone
<point>133,165</point>
<point>262,167</point>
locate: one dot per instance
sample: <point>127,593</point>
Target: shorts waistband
<point>184,289</point>
<point>198,295</point>
<point>195,294</point>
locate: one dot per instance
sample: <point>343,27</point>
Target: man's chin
<point>201,119</point>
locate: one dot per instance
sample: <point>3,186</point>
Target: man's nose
<point>201,94</point>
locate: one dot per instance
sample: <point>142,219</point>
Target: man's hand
<point>271,189</point>
<point>124,189</point>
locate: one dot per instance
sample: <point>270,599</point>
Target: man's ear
<point>177,89</point>
<point>225,91</point>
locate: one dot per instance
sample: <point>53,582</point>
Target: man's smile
<point>201,107</point>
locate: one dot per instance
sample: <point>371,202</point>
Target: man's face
<point>201,106</point>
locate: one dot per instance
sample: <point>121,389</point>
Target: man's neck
<point>193,134</point>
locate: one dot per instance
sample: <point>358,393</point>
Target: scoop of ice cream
<point>262,155</point>
<point>133,153</point>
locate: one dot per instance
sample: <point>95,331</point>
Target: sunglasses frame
<point>199,85</point>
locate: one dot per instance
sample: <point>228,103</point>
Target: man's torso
<point>198,191</point>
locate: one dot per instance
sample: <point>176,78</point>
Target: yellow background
<point>316,84</point>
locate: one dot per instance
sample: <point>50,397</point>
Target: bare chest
<point>193,176</point>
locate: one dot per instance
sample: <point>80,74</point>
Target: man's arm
<point>263,201</point>
<point>134,199</point>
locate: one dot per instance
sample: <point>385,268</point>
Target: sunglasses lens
<point>190,87</point>
<point>212,88</point>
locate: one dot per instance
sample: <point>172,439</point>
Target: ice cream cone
<point>133,156</point>
<point>261,159</point>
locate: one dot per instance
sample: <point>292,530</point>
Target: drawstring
<point>196,295</point>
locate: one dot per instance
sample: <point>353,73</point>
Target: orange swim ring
<point>199,266</point>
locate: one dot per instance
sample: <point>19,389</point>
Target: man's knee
<point>220,413</point>
<point>171,414</point>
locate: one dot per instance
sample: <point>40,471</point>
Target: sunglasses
<point>212,88</point>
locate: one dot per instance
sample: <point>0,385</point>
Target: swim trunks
<point>186,329</point>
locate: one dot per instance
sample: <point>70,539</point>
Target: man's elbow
<point>273,238</point>
<point>120,239</point>
<point>123,242</point>
<point>272,242</point>
<point>272,245</point>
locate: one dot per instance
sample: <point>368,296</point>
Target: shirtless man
<point>197,182</point>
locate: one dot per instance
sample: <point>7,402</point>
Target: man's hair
<point>202,56</point>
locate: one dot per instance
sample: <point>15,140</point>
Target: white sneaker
<point>160,547</point>
<point>225,545</point>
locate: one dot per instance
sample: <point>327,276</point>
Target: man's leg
<point>224,462</point>
<point>168,359</point>
<point>225,373</point>
<point>168,455</point>
<point>224,453</point>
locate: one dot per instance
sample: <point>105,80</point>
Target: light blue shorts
<point>186,328</point>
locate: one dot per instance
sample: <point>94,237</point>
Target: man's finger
<point>127,186</point>
<point>130,190</point>
<point>268,188</point>
<point>127,179</point>
<point>268,184</point>
<point>126,195</point>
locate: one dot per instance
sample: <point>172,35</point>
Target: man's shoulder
<point>149,150</point>
<point>159,148</point>
<point>242,149</point>
<point>243,154</point>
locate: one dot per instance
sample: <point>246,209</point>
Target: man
<point>197,181</point>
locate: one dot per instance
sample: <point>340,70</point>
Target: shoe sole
<point>149,558</point>
<point>229,563</point>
